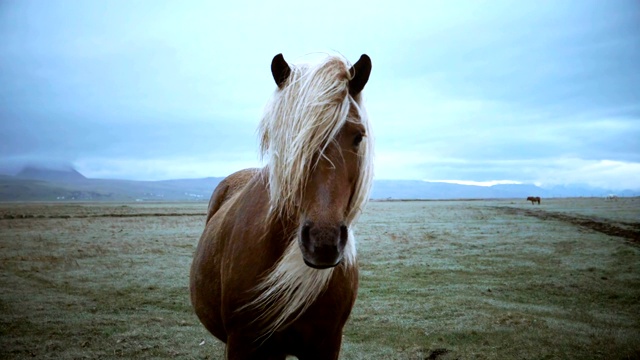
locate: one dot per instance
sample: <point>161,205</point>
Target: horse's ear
<point>280,70</point>
<point>360,72</point>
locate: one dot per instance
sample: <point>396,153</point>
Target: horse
<point>534,199</point>
<point>275,271</point>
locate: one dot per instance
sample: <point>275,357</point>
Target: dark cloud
<point>577,57</point>
<point>461,89</point>
<point>72,139</point>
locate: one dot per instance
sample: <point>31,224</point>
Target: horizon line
<point>486,183</point>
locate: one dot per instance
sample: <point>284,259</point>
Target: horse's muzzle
<point>322,246</point>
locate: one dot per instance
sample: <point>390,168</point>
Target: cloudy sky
<point>544,92</point>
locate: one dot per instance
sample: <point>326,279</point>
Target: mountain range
<point>67,184</point>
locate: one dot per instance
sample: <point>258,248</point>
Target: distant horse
<point>275,272</point>
<point>534,199</point>
<point>612,197</point>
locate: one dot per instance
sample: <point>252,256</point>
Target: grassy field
<point>439,280</point>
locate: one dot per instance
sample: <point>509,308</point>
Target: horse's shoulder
<point>228,187</point>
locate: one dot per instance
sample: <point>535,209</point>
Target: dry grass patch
<point>439,280</point>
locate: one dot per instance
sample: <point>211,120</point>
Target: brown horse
<point>275,272</point>
<point>534,199</point>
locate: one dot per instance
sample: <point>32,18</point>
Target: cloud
<point>546,172</point>
<point>165,168</point>
<point>478,183</point>
<point>460,90</point>
<point>615,175</point>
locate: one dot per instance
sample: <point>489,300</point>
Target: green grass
<point>438,280</point>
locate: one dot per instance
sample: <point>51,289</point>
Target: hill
<point>41,184</point>
<point>416,189</point>
<point>54,175</point>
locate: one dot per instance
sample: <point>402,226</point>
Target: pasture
<point>486,279</point>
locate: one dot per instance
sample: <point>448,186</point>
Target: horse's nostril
<point>306,229</point>
<point>344,234</point>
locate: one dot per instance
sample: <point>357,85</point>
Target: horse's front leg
<point>243,348</point>
<point>326,349</point>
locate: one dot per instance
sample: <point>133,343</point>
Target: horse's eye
<point>357,140</point>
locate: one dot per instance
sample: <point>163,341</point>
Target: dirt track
<point>628,230</point>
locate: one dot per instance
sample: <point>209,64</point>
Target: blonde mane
<point>299,123</point>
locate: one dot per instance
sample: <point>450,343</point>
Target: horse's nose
<point>323,245</point>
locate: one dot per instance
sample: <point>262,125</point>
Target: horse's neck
<point>275,218</point>
<point>283,227</point>
<point>274,228</point>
